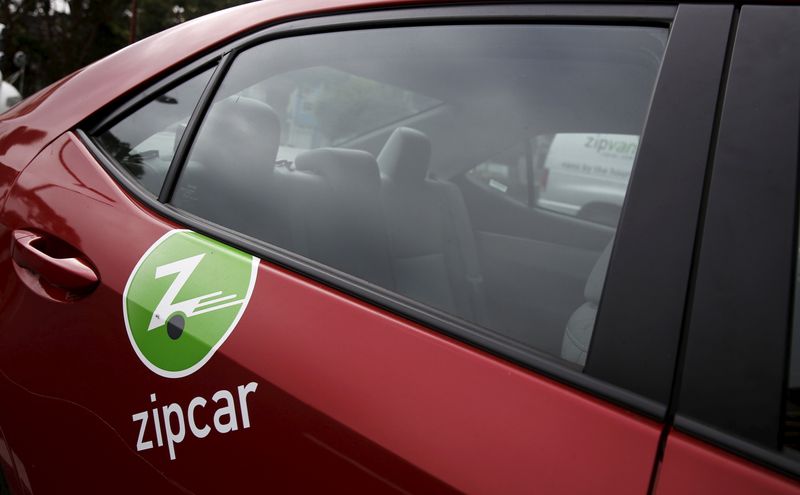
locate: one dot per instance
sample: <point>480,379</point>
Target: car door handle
<point>30,250</point>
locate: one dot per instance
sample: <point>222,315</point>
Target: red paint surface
<point>350,398</point>
<point>691,466</point>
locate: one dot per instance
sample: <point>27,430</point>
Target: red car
<point>308,246</point>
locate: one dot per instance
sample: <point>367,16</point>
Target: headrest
<point>341,167</point>
<point>594,285</point>
<point>240,133</point>
<point>406,155</point>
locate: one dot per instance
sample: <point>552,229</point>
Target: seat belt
<point>468,250</point>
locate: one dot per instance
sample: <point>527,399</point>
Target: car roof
<point>61,106</point>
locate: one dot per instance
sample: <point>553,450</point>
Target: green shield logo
<point>183,299</point>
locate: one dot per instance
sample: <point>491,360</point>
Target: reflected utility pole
<point>134,12</point>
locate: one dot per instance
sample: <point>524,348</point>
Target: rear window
<point>145,141</point>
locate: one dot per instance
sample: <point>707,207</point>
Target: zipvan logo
<point>183,299</point>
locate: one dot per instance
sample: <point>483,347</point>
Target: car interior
<point>393,204</point>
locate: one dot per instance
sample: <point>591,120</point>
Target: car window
<point>144,142</point>
<point>584,175</point>
<point>506,174</point>
<point>349,149</point>
<point>323,106</point>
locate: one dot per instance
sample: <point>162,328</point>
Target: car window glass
<point>578,174</point>
<point>144,142</point>
<point>506,174</point>
<point>322,106</point>
<point>355,150</point>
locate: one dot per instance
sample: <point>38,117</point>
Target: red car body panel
<point>348,394</point>
<point>691,466</point>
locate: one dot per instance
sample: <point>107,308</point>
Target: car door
<point>735,424</point>
<point>160,332</point>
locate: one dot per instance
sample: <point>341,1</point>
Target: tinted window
<point>323,106</point>
<point>356,149</point>
<point>577,174</point>
<point>144,142</point>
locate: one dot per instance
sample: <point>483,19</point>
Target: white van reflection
<point>586,175</point>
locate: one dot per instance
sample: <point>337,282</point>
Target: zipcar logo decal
<point>183,299</point>
<point>190,307</point>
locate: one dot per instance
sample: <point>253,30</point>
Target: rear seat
<point>434,258</point>
<point>402,231</point>
<point>578,334</point>
<point>328,209</point>
<point>336,216</point>
<point>230,178</point>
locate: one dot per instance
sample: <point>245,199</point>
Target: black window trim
<point>652,256</point>
<point>759,230</point>
<point>484,339</point>
<point>192,128</point>
<point>104,120</point>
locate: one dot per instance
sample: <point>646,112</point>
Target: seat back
<point>336,213</point>
<point>580,326</point>
<point>240,136</point>
<point>432,244</point>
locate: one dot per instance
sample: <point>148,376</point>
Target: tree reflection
<point>122,152</point>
